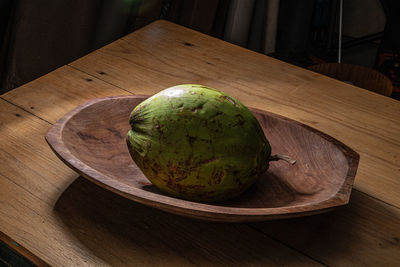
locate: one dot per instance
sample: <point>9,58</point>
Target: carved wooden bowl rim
<point>205,211</point>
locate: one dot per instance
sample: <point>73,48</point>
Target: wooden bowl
<point>91,140</point>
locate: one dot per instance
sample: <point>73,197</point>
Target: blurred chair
<point>358,75</point>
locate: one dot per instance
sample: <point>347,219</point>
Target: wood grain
<point>164,54</point>
<point>56,218</point>
<point>25,158</point>
<point>358,75</point>
<point>64,89</point>
<point>92,140</point>
<point>345,237</point>
<point>77,231</point>
<point>165,236</point>
<point>353,236</point>
<point>29,188</point>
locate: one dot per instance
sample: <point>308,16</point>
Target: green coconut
<point>197,143</point>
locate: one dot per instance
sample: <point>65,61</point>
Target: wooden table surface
<point>65,220</point>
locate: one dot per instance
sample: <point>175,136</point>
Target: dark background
<point>38,36</point>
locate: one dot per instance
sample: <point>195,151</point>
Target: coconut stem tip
<point>282,157</point>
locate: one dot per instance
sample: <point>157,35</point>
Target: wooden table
<point>62,219</point>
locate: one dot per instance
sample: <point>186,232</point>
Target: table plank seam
<point>276,100</point>
<point>24,189</point>
<point>165,62</point>
<point>279,101</point>
<point>91,75</point>
<point>287,245</point>
<point>25,249</point>
<point>28,111</point>
<point>251,228</point>
<point>364,232</point>
<point>375,198</point>
<point>311,109</point>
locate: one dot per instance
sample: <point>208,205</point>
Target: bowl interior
<point>96,136</point>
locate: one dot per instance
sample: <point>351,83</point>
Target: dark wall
<point>39,36</point>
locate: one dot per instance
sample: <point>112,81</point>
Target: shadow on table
<point>121,231</point>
